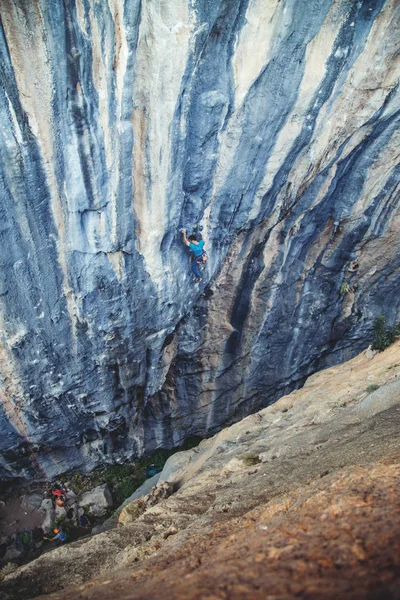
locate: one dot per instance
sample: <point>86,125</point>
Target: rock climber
<point>197,247</point>
<point>60,536</point>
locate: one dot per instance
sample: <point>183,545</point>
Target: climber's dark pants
<point>195,266</point>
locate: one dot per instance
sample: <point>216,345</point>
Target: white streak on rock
<point>253,48</point>
<point>317,53</point>
<point>31,62</point>
<point>162,52</point>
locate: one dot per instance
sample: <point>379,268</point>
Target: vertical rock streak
<point>273,125</point>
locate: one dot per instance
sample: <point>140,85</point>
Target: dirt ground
<point>18,514</point>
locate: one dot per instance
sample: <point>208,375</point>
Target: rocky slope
<point>298,500</point>
<point>274,126</point>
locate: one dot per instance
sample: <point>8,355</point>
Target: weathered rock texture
<point>271,124</point>
<point>299,500</point>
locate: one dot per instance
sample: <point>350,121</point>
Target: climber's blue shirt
<point>197,249</point>
<point>62,536</point>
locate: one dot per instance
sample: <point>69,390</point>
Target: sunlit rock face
<point>272,125</point>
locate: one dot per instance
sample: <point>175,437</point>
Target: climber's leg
<point>195,269</point>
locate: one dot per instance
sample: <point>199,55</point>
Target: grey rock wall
<point>272,125</point>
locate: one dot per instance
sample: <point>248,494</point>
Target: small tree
<point>384,336</point>
<point>394,333</point>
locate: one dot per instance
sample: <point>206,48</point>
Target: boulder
<point>176,464</point>
<point>12,553</point>
<point>70,497</point>
<point>47,510</point>
<point>59,512</point>
<point>370,353</point>
<point>71,507</point>
<point>34,500</point>
<point>97,500</point>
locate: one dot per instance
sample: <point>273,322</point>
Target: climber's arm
<point>185,240</point>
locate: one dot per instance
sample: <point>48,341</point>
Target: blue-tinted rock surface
<point>274,126</point>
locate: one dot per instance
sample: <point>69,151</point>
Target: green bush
<point>344,288</point>
<point>372,388</point>
<point>60,523</point>
<point>394,333</point>
<point>384,336</point>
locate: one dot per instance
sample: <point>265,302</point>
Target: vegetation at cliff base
<point>124,480</point>
<point>384,336</point>
<point>372,388</point>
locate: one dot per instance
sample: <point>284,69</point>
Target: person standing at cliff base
<point>200,255</point>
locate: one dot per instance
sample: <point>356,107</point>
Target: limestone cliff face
<point>273,125</point>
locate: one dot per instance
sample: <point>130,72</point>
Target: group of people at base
<point>59,495</point>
